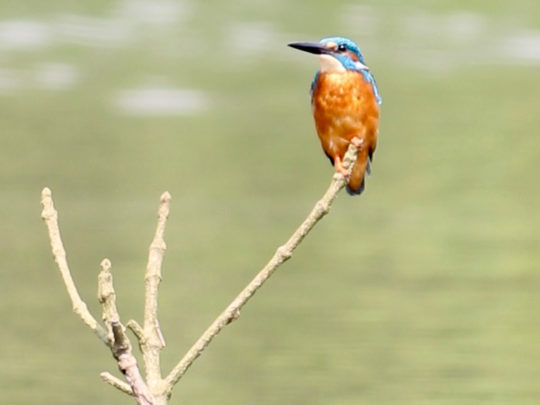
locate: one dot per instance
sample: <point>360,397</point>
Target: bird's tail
<point>357,181</point>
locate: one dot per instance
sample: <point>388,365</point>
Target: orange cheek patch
<point>352,55</point>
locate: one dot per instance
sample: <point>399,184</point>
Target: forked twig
<point>119,342</point>
<point>157,390</point>
<point>114,336</point>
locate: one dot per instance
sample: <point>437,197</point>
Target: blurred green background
<point>424,290</point>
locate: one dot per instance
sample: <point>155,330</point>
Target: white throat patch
<point>330,64</point>
<point>360,66</point>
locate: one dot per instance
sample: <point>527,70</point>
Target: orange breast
<point>344,107</point>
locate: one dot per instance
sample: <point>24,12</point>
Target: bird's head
<point>336,54</point>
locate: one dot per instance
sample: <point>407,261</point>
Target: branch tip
<point>46,192</point>
<point>50,217</point>
<point>165,197</point>
<point>106,264</point>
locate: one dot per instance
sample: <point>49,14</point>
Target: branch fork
<point>154,389</point>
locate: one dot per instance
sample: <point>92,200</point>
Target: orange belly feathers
<point>345,107</point>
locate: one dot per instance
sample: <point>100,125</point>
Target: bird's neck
<point>330,64</point>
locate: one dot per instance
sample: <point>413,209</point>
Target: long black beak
<point>311,47</point>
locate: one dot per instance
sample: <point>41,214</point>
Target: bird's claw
<point>338,164</point>
<point>357,142</point>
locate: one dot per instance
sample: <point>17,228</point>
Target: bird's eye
<point>341,48</point>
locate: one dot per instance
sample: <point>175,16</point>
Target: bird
<point>346,105</point>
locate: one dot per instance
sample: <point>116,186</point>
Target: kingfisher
<point>345,102</point>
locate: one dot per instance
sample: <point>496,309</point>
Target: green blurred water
<point>424,290</point>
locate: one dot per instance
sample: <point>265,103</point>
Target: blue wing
<point>313,85</point>
<point>371,80</point>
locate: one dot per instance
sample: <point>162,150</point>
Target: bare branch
<point>127,363</point>
<point>50,216</point>
<point>116,382</point>
<point>282,254</point>
<point>156,390</point>
<point>119,342</point>
<point>136,329</point>
<point>107,298</point>
<point>152,342</point>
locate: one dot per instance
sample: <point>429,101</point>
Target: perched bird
<point>345,102</point>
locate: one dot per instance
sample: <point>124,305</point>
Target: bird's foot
<point>338,164</point>
<point>357,142</point>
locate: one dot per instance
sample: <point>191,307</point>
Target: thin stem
<point>116,382</point>
<point>50,216</point>
<point>119,342</point>
<point>282,254</point>
<point>153,341</point>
